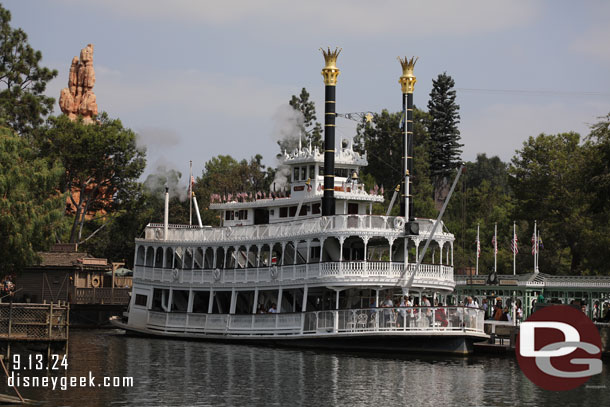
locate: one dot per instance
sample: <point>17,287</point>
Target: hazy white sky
<point>200,78</point>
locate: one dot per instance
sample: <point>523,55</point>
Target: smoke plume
<point>164,176</point>
<point>287,129</point>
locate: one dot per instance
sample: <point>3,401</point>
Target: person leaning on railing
<point>440,317</point>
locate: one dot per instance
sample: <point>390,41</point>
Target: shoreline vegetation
<point>560,181</point>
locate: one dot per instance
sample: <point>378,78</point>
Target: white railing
<point>429,274</point>
<point>313,226</point>
<point>402,319</point>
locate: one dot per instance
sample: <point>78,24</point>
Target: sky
<point>196,79</point>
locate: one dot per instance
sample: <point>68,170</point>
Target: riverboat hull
<point>444,342</point>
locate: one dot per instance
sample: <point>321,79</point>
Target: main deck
<point>442,329</point>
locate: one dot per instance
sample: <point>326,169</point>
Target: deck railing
<point>372,320</point>
<point>374,271</point>
<point>33,322</point>
<point>310,226</point>
<point>102,295</point>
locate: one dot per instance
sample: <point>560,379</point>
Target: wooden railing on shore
<point>34,322</point>
<point>105,295</point>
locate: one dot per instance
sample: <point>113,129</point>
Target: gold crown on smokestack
<point>330,71</point>
<point>407,80</point>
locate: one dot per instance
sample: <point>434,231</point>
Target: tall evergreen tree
<point>311,131</point>
<point>31,210</point>
<point>22,80</point>
<point>445,148</point>
<point>102,165</point>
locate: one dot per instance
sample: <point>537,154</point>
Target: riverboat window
<point>222,301</point>
<point>342,172</point>
<point>321,170</point>
<point>293,211</point>
<point>315,252</point>
<point>160,298</point>
<point>180,299</point>
<point>295,175</point>
<point>304,210</point>
<point>242,214</point>
<point>303,173</point>
<point>312,171</point>
<point>352,209</point>
<point>315,209</point>
<point>201,301</point>
<point>284,212</point>
<point>229,215</point>
<point>141,300</point>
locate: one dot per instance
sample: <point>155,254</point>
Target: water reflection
<point>176,373</point>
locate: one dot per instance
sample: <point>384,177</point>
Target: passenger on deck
<point>273,309</point>
<point>440,316</point>
<point>498,312</point>
<point>426,303</point>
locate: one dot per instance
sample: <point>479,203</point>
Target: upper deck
<point>365,226</point>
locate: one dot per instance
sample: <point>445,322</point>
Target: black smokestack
<point>330,73</point>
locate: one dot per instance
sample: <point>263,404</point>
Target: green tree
<point>311,130</point>
<point>546,176</point>
<point>381,139</point>
<point>102,164</point>
<point>224,175</point>
<point>445,147</point>
<point>31,209</point>
<point>23,81</point>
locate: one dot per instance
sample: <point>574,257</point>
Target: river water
<point>188,373</point>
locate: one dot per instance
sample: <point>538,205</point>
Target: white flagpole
<point>535,249</point>
<point>496,247</point>
<point>190,192</point>
<point>514,249</point>
<point>538,250</point>
<point>478,245</point>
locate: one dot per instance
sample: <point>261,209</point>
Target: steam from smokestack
<point>169,178</point>
<point>287,129</point>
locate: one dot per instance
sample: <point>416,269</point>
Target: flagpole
<point>478,248</point>
<point>190,192</point>
<point>535,251</point>
<point>538,251</point>
<point>514,248</point>
<point>496,247</point>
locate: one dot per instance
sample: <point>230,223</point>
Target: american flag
<point>534,249</point>
<point>514,244</point>
<point>494,244</point>
<point>478,248</point>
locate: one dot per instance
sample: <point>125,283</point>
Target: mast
<point>478,251</point>
<point>514,248</point>
<point>190,192</point>
<point>407,85</point>
<point>330,74</point>
<point>496,247</point>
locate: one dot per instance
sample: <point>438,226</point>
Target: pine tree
<point>445,148</point>
<point>31,209</point>
<point>311,130</point>
<point>23,103</point>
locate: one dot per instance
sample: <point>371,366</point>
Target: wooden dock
<point>34,324</point>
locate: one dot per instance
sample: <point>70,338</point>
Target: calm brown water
<point>183,373</point>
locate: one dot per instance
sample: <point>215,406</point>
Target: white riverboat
<point>309,267</point>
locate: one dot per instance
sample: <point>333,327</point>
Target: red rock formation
<point>78,98</point>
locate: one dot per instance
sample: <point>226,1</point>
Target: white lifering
<point>274,272</point>
<point>216,275</point>
<point>175,274</point>
<point>228,233</point>
<point>399,223</point>
<point>158,234</point>
<point>95,281</point>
